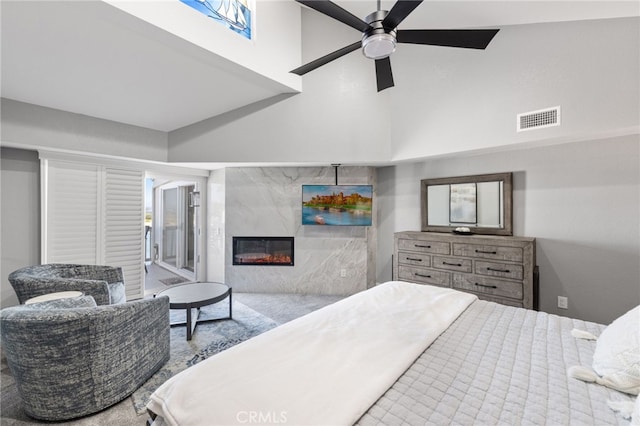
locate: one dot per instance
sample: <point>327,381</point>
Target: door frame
<point>161,183</point>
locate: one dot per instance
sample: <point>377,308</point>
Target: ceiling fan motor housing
<point>377,42</point>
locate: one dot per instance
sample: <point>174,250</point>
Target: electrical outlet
<point>563,302</point>
<point>343,273</point>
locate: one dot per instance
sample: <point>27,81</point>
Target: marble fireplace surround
<point>267,201</point>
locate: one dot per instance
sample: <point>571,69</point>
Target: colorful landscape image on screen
<point>347,205</point>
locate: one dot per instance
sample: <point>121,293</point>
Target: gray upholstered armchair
<point>104,283</point>
<point>71,358</point>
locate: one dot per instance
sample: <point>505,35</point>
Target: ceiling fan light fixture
<point>378,46</point>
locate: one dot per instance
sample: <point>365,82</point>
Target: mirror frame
<point>507,197</point>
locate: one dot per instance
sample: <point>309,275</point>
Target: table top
<point>54,296</point>
<point>194,295</point>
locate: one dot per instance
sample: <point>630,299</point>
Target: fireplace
<point>272,251</point>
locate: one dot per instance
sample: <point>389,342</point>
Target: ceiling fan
<point>380,34</point>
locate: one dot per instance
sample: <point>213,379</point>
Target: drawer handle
<point>420,275</point>
<point>415,260</point>
<point>488,286</point>
<point>452,264</point>
<point>486,252</point>
<point>506,271</point>
<point>418,245</point>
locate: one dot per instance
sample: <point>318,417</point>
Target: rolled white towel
<point>581,334</point>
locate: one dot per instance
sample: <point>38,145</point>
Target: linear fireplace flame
<point>276,251</point>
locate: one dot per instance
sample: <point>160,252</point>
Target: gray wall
<point>581,201</point>
<point>455,100</point>
<point>339,116</point>
<point>33,126</point>
<point>445,100</point>
<point>19,216</point>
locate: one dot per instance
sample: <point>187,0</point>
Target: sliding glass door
<point>178,218</point>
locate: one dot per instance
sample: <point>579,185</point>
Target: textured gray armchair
<point>104,283</point>
<point>71,358</point>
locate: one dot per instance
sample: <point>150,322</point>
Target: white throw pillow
<point>617,355</point>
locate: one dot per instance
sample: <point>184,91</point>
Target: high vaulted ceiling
<point>90,58</point>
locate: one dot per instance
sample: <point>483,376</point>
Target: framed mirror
<point>482,203</point>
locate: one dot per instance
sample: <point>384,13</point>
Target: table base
<point>191,324</point>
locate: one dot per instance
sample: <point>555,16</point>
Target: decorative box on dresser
<point>496,268</point>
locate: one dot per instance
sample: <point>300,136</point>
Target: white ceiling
<point>90,58</point>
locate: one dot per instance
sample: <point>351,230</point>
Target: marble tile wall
<point>268,202</point>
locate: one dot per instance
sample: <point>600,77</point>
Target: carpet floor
<point>253,313</point>
<point>207,340</point>
<point>174,281</point>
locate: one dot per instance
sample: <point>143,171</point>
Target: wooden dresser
<point>495,268</point>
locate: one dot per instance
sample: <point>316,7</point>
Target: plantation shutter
<point>124,227</point>
<point>92,214</point>
<point>71,205</point>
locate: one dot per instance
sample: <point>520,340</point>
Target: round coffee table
<point>194,296</point>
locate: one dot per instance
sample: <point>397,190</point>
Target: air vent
<point>539,119</point>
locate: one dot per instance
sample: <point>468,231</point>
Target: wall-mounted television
<point>347,205</point>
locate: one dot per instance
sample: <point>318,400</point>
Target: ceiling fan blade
<point>398,12</point>
<point>336,12</point>
<point>384,76</point>
<point>471,39</point>
<point>327,58</point>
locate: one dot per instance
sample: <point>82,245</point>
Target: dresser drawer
<point>417,259</point>
<point>487,285</point>
<point>423,275</point>
<point>436,247</point>
<point>452,263</point>
<point>495,252</point>
<point>501,270</point>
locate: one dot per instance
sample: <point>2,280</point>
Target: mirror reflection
<point>475,204</point>
<point>478,202</point>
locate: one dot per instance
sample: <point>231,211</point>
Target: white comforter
<point>326,368</point>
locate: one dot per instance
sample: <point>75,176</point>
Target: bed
<point>404,353</point>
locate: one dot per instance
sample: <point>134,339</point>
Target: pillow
<point>117,293</point>
<point>66,303</point>
<point>617,356</point>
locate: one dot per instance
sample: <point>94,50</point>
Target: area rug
<point>173,280</point>
<point>208,339</point>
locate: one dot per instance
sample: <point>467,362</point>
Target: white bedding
<point>500,365</point>
<point>326,368</point>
